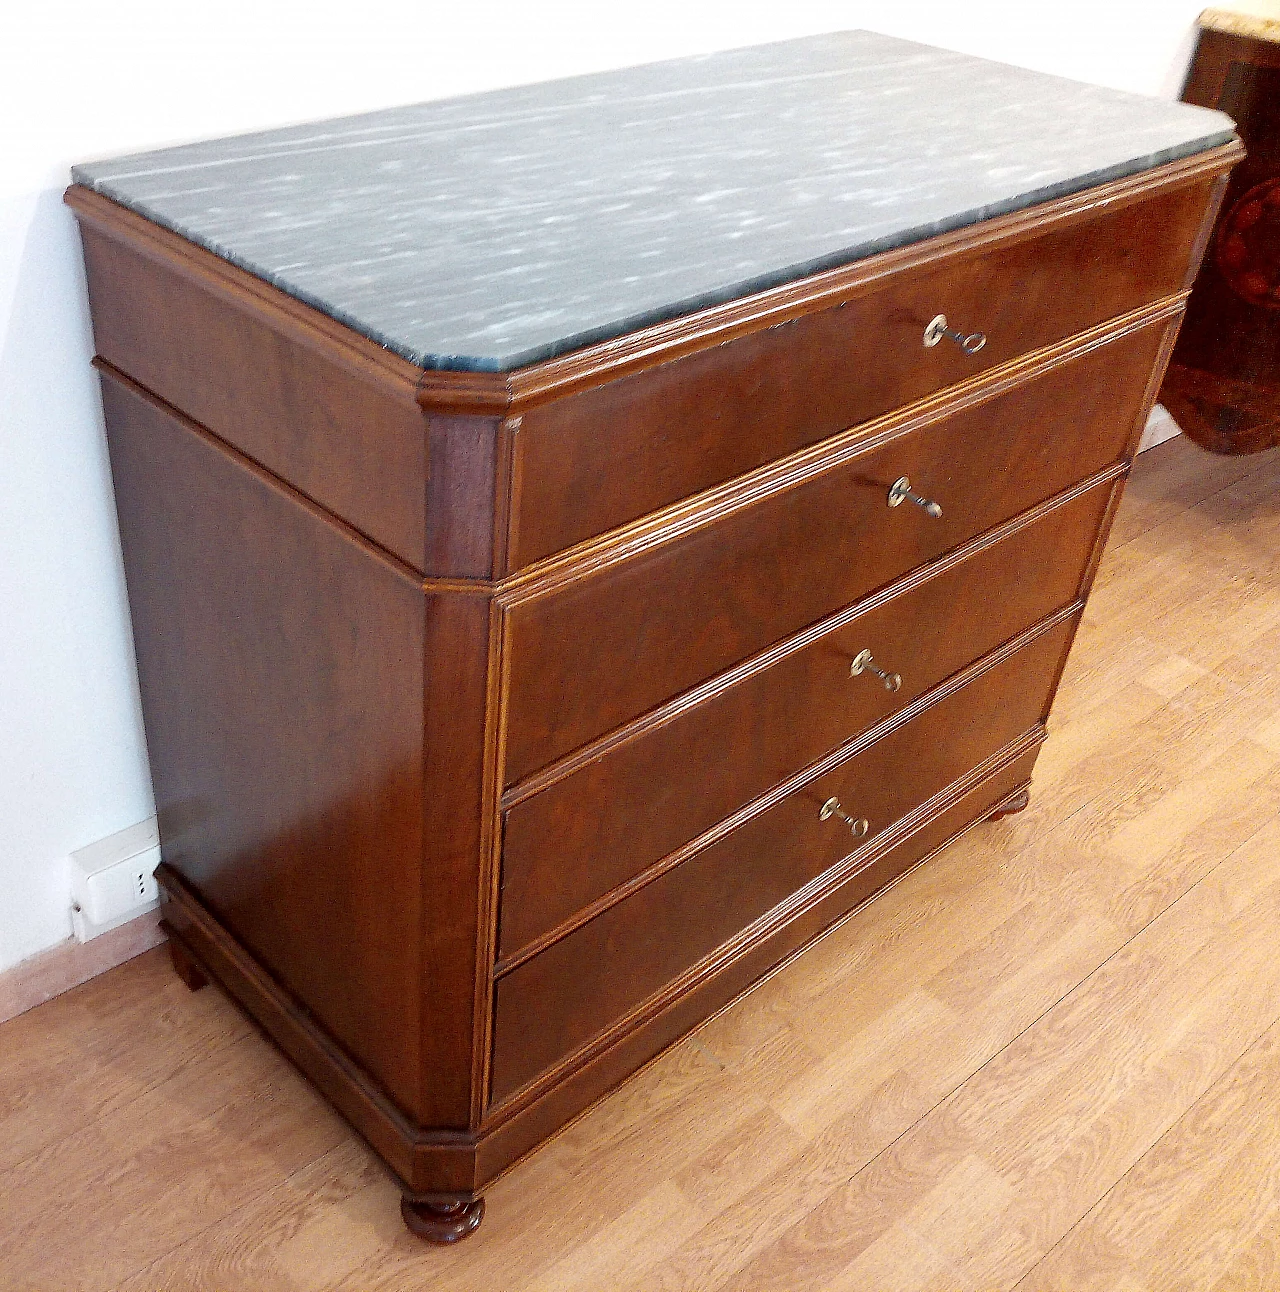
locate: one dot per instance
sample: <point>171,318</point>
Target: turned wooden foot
<point>1010,806</point>
<point>442,1220</point>
<point>185,967</point>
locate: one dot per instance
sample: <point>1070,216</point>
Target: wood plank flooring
<point>1049,1060</point>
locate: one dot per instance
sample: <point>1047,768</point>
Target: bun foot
<point>1010,806</point>
<point>446,1219</point>
<point>185,966</point>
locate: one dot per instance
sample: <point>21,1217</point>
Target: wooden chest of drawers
<point>506,725</point>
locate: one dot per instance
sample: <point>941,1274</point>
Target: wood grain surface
<point>609,816</point>
<point>591,652</point>
<point>594,975</point>
<point>311,401</point>
<point>1049,1059</point>
<point>288,740</point>
<point>808,378</point>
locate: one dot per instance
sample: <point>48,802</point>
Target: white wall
<point>80,80</point>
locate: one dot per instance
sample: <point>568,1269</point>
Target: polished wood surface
<point>442,1221</point>
<point>1068,1036</point>
<point>342,697</point>
<point>286,741</point>
<point>528,1117</point>
<point>203,940</point>
<point>613,811</point>
<point>588,653</point>
<point>596,974</point>
<point>465,498</point>
<point>315,404</point>
<point>326,408</point>
<point>740,405</point>
<point>456,880</point>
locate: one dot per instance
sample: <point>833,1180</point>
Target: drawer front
<point>554,1003</point>
<point>661,435</point>
<point>582,836</point>
<point>594,653</point>
<point>669,1016</point>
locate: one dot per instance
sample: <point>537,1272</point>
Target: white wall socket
<point>113,880</point>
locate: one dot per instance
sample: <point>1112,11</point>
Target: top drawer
<point>598,459</point>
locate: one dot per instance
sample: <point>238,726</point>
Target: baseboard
<point>70,963</point>
<point>1160,427</point>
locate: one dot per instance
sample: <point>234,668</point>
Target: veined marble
<point>494,230</point>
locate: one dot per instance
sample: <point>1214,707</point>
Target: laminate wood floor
<point>1048,1060</point>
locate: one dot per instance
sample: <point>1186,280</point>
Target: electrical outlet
<point>144,885</point>
<point>113,880</point>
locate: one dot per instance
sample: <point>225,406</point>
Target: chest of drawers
<point>508,718</point>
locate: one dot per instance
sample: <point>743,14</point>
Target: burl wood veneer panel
<point>1223,385</point>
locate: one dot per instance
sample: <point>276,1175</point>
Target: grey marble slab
<point>491,231</point>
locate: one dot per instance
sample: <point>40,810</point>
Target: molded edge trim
<point>491,393</point>
<point>244,290</point>
<point>600,551</point>
<point>701,510</point>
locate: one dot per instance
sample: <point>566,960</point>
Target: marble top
<point>495,230</point>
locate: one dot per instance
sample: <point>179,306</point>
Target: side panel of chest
<point>280,664</point>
